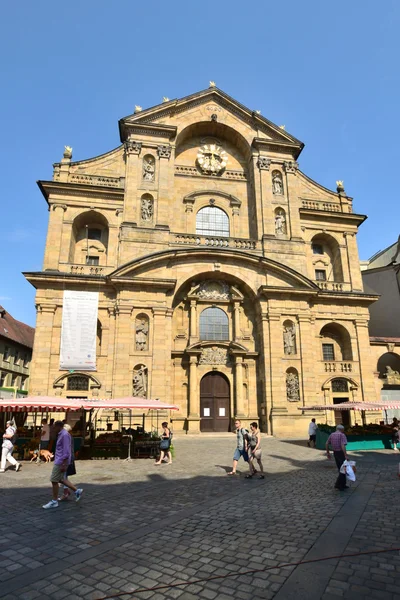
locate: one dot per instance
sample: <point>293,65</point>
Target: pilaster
<point>122,367</point>
<point>39,383</point>
<point>132,160</point>
<point>54,233</point>
<point>354,262</point>
<point>290,168</point>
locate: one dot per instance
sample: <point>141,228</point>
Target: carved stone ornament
<point>142,333</point>
<point>132,147</point>
<point>290,166</point>
<point>149,168</point>
<point>139,382</point>
<point>392,377</point>
<point>214,290</point>
<point>212,159</point>
<point>277,183</point>
<point>292,387</point>
<point>147,209</point>
<point>164,151</point>
<point>214,356</point>
<point>264,163</point>
<point>289,339</point>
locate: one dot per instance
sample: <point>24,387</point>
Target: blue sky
<point>327,70</point>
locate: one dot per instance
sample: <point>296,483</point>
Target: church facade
<point>229,281</point>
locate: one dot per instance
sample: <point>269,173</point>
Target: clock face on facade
<point>212,159</point>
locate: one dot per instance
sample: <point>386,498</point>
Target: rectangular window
<point>317,249</point>
<point>6,355</point>
<point>328,352</point>
<point>14,380</point>
<point>3,379</point>
<point>320,274</point>
<point>26,360</point>
<point>94,234</point>
<point>16,358</point>
<point>92,260</point>
<point>23,383</point>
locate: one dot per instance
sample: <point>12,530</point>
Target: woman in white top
<point>8,447</point>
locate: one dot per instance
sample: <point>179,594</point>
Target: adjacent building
<point>229,281</point>
<point>16,343</point>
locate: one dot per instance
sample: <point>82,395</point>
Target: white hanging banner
<point>79,331</point>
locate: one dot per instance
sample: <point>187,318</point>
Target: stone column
<point>366,362</point>
<point>236,320</point>
<point>290,168</point>
<point>309,361</point>
<point>193,322</point>
<point>264,166</point>
<point>132,159</point>
<point>39,379</point>
<point>54,235</point>
<point>165,164</point>
<point>110,351</point>
<point>194,399</point>
<point>279,403</point>
<point>259,197</point>
<point>354,262</point>
<point>239,386</point>
<point>265,370</point>
<point>122,384</point>
<point>160,341</point>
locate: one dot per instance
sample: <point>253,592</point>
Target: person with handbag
<point>9,438</point>
<point>165,444</point>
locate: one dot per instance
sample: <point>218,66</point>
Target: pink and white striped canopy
<point>57,404</point>
<point>353,406</point>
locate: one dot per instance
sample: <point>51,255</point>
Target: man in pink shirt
<point>62,459</point>
<point>338,442</point>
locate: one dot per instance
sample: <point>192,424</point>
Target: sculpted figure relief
<point>147,209</point>
<point>292,387</point>
<point>392,377</point>
<point>277,183</point>
<point>289,339</point>
<point>142,331</point>
<point>139,383</point>
<point>214,290</point>
<point>280,223</point>
<point>214,356</point>
<point>149,168</point>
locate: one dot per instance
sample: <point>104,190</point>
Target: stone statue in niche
<point>392,377</point>
<point>280,223</point>
<point>292,387</point>
<point>142,332</point>
<point>139,383</point>
<point>214,356</point>
<point>277,183</point>
<point>289,339</point>
<point>149,168</point>
<point>147,209</point>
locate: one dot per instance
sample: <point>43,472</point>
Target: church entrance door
<point>214,402</point>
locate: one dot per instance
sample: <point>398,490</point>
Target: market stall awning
<point>353,406</point>
<point>57,404</point>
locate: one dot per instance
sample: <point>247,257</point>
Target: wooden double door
<point>214,402</point>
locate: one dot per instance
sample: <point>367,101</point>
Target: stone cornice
<point>286,147</point>
<point>58,188</point>
<point>127,129</point>
<point>340,217</point>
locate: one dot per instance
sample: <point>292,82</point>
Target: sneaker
<point>78,494</point>
<point>51,504</point>
<point>17,467</point>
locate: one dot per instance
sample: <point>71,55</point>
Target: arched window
<point>78,383</point>
<point>214,324</point>
<point>391,360</point>
<point>89,239</point>
<point>211,220</point>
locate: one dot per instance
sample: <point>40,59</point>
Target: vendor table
<point>378,441</point>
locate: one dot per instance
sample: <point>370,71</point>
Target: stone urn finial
<point>339,187</point>
<point>67,152</point>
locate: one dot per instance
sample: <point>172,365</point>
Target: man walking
<point>241,446</point>
<point>338,442</point>
<point>312,432</point>
<point>62,459</point>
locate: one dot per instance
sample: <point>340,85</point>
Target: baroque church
<point>229,281</point>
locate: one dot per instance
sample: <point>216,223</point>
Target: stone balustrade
<point>333,286</point>
<point>194,172</point>
<point>81,178</point>
<point>214,241</point>
<point>88,270</point>
<point>319,205</point>
<point>338,366</point>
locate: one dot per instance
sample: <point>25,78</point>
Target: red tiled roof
<point>14,330</point>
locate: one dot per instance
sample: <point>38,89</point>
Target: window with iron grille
<point>320,274</point>
<point>214,324</point>
<point>78,382</point>
<point>328,352</point>
<point>340,385</point>
<point>211,220</point>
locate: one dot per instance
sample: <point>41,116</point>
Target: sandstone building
<point>229,280</point>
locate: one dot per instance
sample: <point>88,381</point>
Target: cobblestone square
<point>140,526</point>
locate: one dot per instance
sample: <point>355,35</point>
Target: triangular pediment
<point>171,112</point>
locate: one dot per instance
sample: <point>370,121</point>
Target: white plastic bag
<point>347,469</point>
